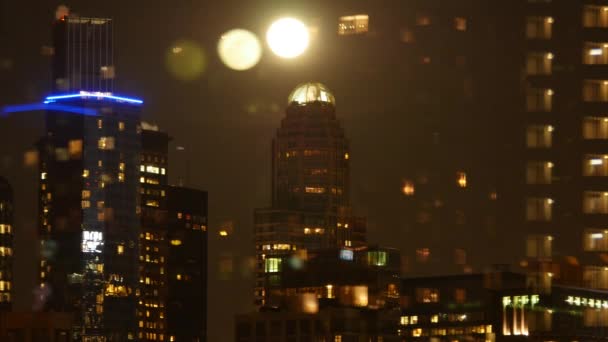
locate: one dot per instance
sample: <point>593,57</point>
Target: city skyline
<point>468,123</point>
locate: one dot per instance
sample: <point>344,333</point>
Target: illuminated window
<point>120,249</point>
<point>539,100</point>
<point>539,209</point>
<point>413,319</point>
<point>347,243</point>
<point>539,172</point>
<point>121,177</point>
<point>427,295</point>
<point>346,156</point>
<point>595,53</point>
<point>460,295</point>
<point>460,23</point>
<point>434,318</point>
<point>353,24</point>
<point>408,188</point>
<point>100,163</point>
<point>176,242</point>
<point>539,136</point>
<point>121,126</point>
<point>595,127</point>
<point>314,190</point>
<point>423,19</point>
<point>595,202</point>
<point>152,169</point>
<point>404,320</point>
<point>422,254</point>
<point>152,203</point>
<point>152,181</point>
<point>595,240</point>
<point>417,332</point>
<point>539,246</point>
<point>407,35</point>
<point>223,233</point>
<point>461,179</point>
<point>376,258</point>
<point>539,63</point>
<point>539,27</point>
<point>86,194</point>
<point>307,231</point>
<point>85,204</point>
<point>272,265</point>
<point>595,16</point>
<point>142,179</point>
<point>596,277</point>
<point>595,91</point>
<point>595,165</point>
<point>4,229</point>
<point>106,143</point>
<point>43,175</point>
<point>99,123</point>
<point>75,149</point>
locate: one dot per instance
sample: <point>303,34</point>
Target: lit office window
<point>539,63</point>
<point>595,127</point>
<point>121,126</point>
<point>75,149</point>
<point>460,23</point>
<point>539,246</point>
<point>353,24</point>
<point>272,265</point>
<point>539,27</point>
<point>376,258</point>
<point>539,209</point>
<point>539,172</point>
<point>427,295</point>
<point>595,16</point>
<point>106,143</point>
<point>539,100</point>
<point>407,35</point>
<point>595,165</point>
<point>539,136</point>
<point>595,240</point>
<point>595,91</point>
<point>595,277</point>
<point>595,202</point>
<point>422,19</point>
<point>595,53</point>
<point>314,190</point>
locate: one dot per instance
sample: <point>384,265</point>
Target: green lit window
<point>376,258</point>
<point>272,265</point>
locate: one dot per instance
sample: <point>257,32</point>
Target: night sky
<point>225,120</point>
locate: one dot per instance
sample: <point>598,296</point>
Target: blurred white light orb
<point>287,37</point>
<point>239,49</point>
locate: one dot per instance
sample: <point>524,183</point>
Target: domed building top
<point>311,92</point>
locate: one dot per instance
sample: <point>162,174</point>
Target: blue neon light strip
<point>54,98</point>
<point>38,106</point>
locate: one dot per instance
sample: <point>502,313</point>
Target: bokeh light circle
<point>186,60</point>
<point>239,49</point>
<point>287,37</point>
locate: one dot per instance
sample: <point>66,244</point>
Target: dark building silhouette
<point>187,265</point>
<point>6,244</point>
<point>310,186</point>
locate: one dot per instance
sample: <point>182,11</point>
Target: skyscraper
<point>310,187</point>
<point>187,265</point>
<point>6,244</point>
<point>83,53</point>
<point>153,243</point>
<point>89,222</point>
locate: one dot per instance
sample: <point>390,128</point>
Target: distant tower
<point>187,265</point>
<point>310,187</point>
<point>6,244</point>
<point>83,57</point>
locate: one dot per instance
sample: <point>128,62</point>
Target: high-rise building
<point>89,219</point>
<point>310,187</point>
<point>186,306</point>
<point>83,54</point>
<point>153,246</point>
<point>563,127</point>
<point>6,244</point>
